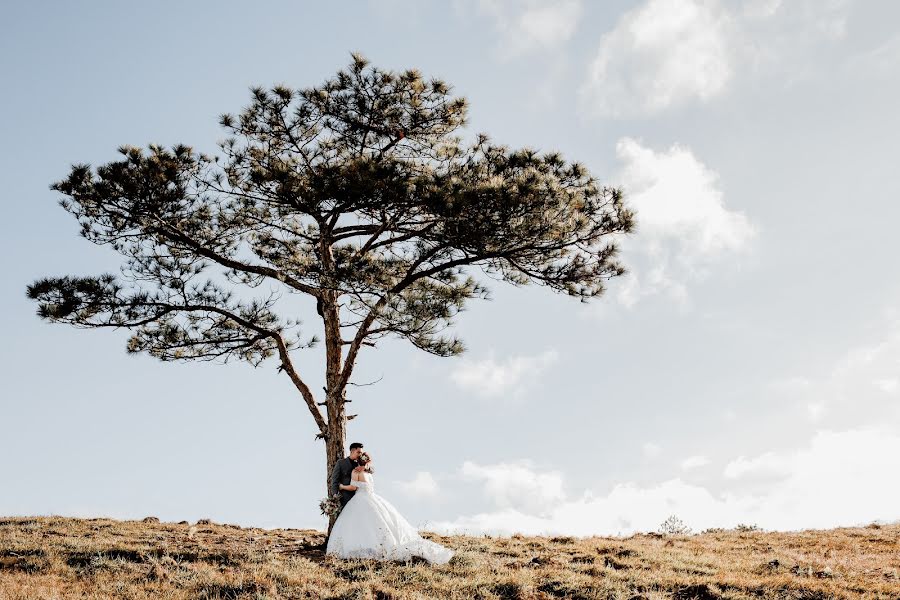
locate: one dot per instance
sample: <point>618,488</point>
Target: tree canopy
<point>360,193</point>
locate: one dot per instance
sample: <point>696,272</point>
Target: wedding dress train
<point>370,527</point>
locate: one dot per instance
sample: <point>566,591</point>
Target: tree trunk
<point>335,395</point>
<point>334,444</point>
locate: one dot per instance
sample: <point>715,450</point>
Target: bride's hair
<point>363,459</point>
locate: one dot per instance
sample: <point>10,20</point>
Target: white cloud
<point>489,378</point>
<point>531,25</point>
<point>815,409</point>
<point>661,54</point>
<point>860,387</point>
<point>888,386</point>
<point>849,467</point>
<point>756,9</point>
<point>641,282</point>
<point>694,462</point>
<point>677,196</point>
<point>839,478</point>
<point>780,43</point>
<point>669,53</point>
<point>517,485</point>
<point>651,450</point>
<point>683,225</point>
<point>765,466</point>
<point>552,23</point>
<point>423,485</point>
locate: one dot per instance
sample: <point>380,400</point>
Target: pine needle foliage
<point>360,194</point>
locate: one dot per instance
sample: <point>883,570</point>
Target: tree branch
<point>236,264</point>
<point>410,278</point>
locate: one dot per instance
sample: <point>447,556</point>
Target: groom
<point>340,474</point>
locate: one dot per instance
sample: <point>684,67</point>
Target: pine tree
<point>359,194</point>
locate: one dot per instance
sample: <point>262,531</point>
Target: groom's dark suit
<point>340,474</point>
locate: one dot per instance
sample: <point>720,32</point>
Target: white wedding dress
<point>370,527</point>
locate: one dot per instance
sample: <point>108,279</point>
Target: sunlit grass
<point>58,557</point>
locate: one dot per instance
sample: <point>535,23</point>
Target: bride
<point>370,527</point>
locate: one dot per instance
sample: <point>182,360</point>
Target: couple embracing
<point>369,526</point>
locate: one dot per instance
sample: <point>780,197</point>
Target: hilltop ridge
<point>63,557</point>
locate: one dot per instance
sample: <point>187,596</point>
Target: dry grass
<point>58,557</point>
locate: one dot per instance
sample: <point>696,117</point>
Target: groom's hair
<point>355,445</point>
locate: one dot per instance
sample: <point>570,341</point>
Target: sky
<point>745,370</point>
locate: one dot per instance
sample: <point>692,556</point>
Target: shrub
<point>674,526</point>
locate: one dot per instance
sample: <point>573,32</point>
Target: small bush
<point>713,530</point>
<point>674,526</point>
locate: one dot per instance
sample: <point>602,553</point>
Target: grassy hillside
<point>57,557</point>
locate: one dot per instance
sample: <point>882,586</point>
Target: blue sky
<point>746,370</point>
